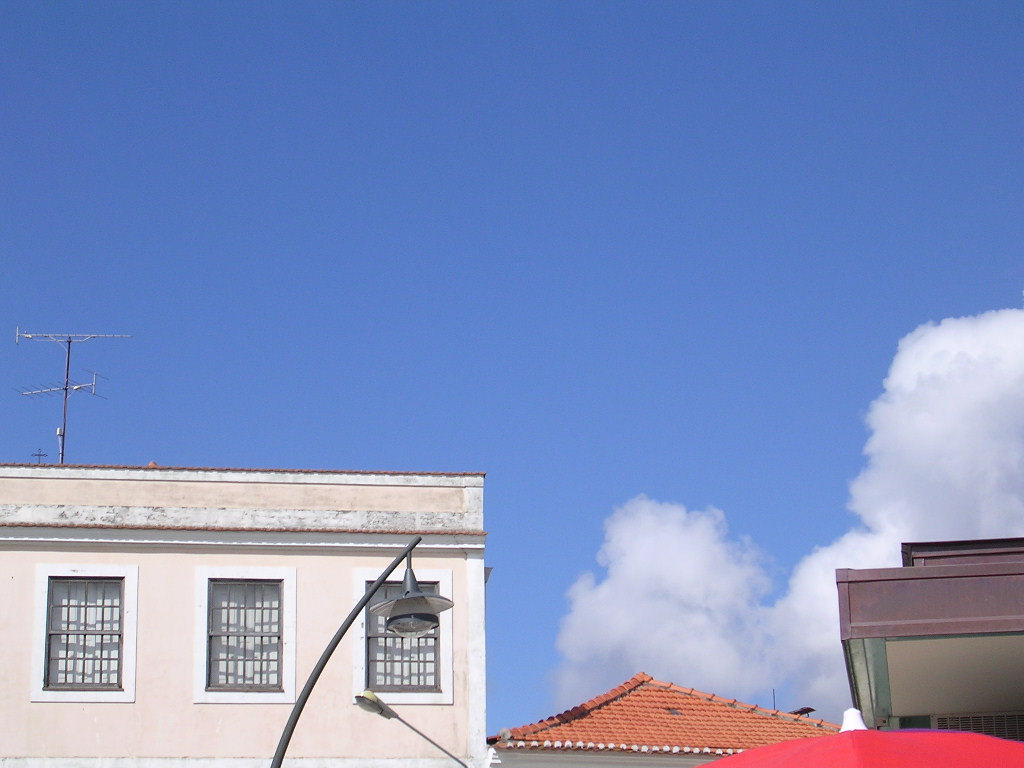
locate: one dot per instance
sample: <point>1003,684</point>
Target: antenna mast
<point>67,339</point>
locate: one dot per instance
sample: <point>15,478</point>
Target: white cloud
<point>945,452</point>
<point>658,557</point>
<point>681,599</point>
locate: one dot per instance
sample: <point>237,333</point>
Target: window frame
<point>203,695</point>
<point>445,676</point>
<point>128,575</point>
<point>94,647</point>
<point>245,634</point>
<point>431,587</point>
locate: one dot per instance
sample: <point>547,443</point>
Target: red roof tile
<point>644,714</point>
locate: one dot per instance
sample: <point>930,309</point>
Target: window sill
<point>244,697</point>
<point>84,697</point>
<point>408,697</point>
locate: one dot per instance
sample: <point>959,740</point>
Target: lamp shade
<point>414,614</point>
<point>368,700</point>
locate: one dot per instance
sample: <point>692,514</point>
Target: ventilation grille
<point>1005,725</point>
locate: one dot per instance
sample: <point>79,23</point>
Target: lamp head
<point>368,700</point>
<point>414,614</point>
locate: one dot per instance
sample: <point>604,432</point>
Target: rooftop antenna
<point>67,339</point>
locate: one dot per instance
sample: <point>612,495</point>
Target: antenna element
<point>67,339</point>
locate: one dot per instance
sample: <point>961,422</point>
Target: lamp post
<point>411,615</point>
<point>369,701</point>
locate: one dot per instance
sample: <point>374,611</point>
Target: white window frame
<point>445,673</point>
<point>201,638</point>
<point>129,574</point>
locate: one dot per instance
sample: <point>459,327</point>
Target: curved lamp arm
<point>300,702</point>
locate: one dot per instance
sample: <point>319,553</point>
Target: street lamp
<point>414,614</point>
<point>369,701</point>
<point>411,615</point>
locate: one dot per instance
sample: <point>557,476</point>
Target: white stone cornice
<point>238,519</point>
<point>349,540</point>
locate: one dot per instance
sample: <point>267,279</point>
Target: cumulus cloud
<point>944,460</point>
<point>663,553</point>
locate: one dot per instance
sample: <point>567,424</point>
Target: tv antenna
<point>67,339</point>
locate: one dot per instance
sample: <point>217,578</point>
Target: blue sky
<point>597,250</point>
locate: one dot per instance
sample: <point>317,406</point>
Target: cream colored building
<point>166,618</point>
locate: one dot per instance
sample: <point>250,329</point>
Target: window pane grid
<point>395,663</point>
<point>245,636</point>
<point>84,634</point>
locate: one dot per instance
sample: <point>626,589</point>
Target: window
<point>245,635</point>
<point>404,670</point>
<point>85,633</point>
<point>244,649</point>
<point>395,663</point>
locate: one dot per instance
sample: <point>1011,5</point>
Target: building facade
<point>938,642</point>
<point>168,617</point>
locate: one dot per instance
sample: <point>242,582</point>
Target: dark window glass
<point>245,635</point>
<point>393,663</point>
<point>84,634</point>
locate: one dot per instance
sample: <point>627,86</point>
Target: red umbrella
<point>880,749</point>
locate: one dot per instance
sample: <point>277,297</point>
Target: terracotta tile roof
<point>647,715</point>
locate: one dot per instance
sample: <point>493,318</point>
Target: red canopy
<point>880,749</point>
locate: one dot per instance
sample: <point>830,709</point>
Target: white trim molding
<point>445,657</point>
<point>130,600</point>
<point>202,593</point>
<point>347,541</point>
